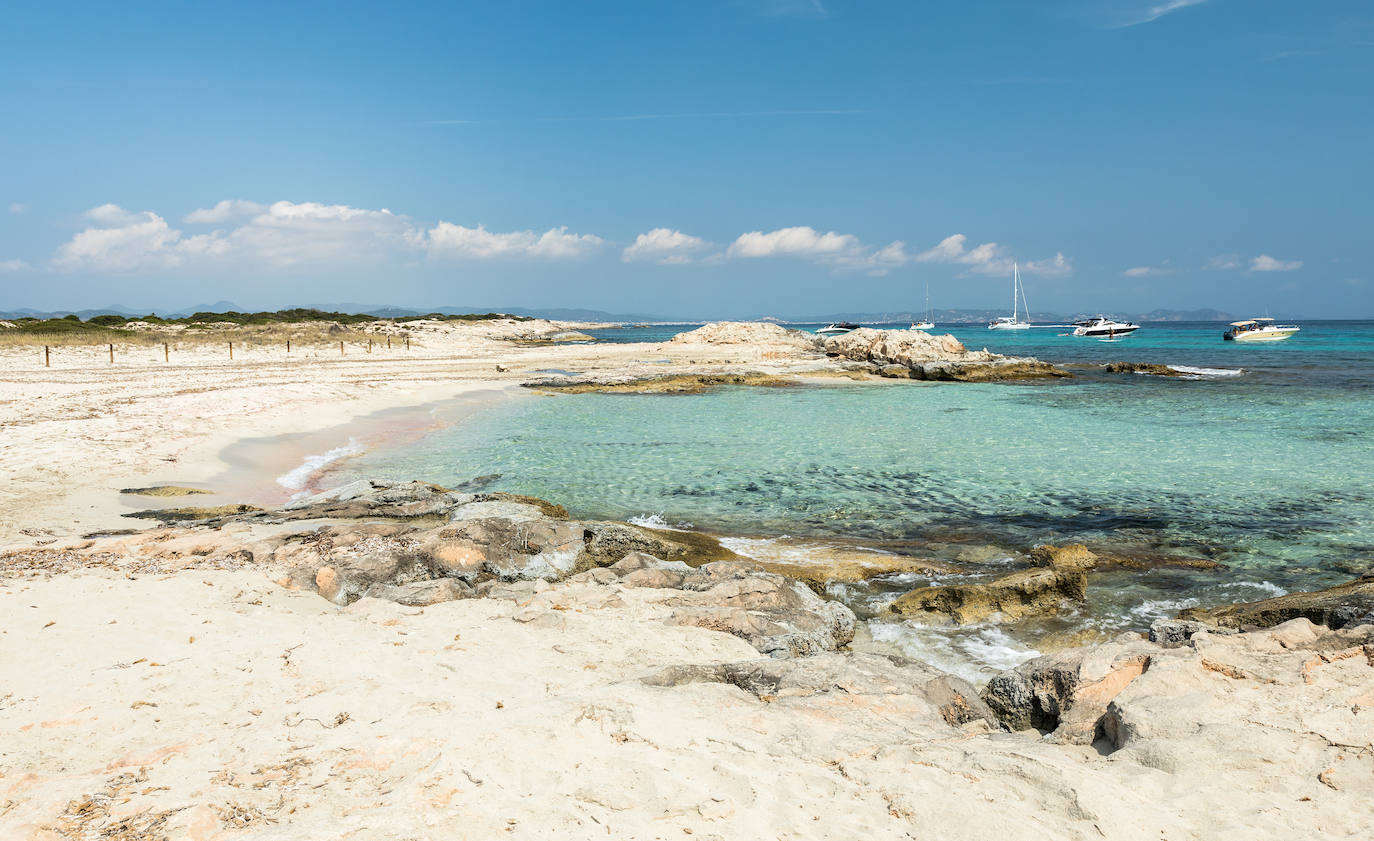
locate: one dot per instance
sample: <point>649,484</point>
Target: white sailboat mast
<point>1015,282</point>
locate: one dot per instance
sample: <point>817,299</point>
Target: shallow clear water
<point>1266,471</point>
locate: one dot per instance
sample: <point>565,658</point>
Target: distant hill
<point>1186,315</point>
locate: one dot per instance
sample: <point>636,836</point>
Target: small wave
<point>1152,609</point>
<point>656,521</point>
<point>1272,590</point>
<point>1208,372</point>
<point>974,653</point>
<point>297,478</point>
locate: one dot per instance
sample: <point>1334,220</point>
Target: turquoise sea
<point>1261,460</point>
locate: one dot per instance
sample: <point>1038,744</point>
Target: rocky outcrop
<point>1351,603</point>
<point>922,356</point>
<point>1073,556</point>
<point>747,332</point>
<point>875,677</point>
<point>860,567</point>
<point>1152,368</point>
<point>1027,592</point>
<point>1067,692</point>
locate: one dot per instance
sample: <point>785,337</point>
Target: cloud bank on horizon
<point>294,235</point>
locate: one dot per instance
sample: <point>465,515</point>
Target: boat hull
<point>1021,326</point>
<point>1105,331</point>
<point>1260,336</point>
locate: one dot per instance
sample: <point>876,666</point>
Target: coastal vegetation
<point>298,324</point>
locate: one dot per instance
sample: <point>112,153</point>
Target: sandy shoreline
<point>169,691</point>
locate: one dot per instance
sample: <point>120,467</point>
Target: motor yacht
<point>837,328</point>
<point>1103,326</point>
<point>1259,330</point>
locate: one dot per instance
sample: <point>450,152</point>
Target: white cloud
<point>802,241</point>
<point>12,266</point>
<point>1149,271</point>
<point>123,241</point>
<point>227,210</point>
<point>1265,263</point>
<point>289,234</point>
<point>456,241</point>
<point>1223,262</point>
<point>1056,266</point>
<point>1156,11</point>
<point>664,246</point>
<point>17,208</point>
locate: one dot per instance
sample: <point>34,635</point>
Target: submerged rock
<point>668,384</point>
<point>1027,592</point>
<point>1351,603</point>
<point>190,515</point>
<point>1074,556</point>
<point>1151,368</point>
<point>164,490</point>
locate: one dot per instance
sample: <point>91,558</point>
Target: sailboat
<point>1017,292</point>
<point>928,323</point>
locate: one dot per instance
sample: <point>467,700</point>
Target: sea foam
<point>297,478</point>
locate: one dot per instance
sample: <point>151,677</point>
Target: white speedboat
<point>927,323</point>
<point>837,328</point>
<point>1259,330</point>
<point>1018,296</point>
<point>1104,326</point>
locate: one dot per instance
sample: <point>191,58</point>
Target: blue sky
<point>703,157</point>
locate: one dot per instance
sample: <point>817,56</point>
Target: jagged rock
<point>194,515</point>
<point>1074,556</point>
<point>376,498</point>
<point>778,616</point>
<point>848,675</point>
<point>908,348</point>
<point>930,357</point>
<point>607,543</point>
<point>1023,593</point>
<point>1174,632</point>
<point>1066,692</point>
<point>1351,603</point>
<point>1142,368</point>
<point>1009,368</point>
<point>349,571</point>
<point>421,593</point>
<point>859,567</point>
<point>509,540</point>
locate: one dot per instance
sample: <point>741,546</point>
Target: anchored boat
<point>837,328</point>
<point>1018,294</point>
<point>1103,326</point>
<point>1259,330</point>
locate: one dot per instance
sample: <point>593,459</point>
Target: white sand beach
<point>160,686</point>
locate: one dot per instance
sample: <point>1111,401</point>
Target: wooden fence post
<point>231,351</point>
<point>288,345</point>
<point>369,345</point>
<point>166,354</point>
<point>341,349</point>
<point>407,343</point>
<point>47,357</point>
<point>388,343</point>
<point>111,354</point>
